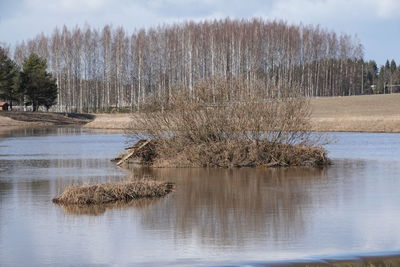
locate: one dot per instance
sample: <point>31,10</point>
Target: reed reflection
<point>233,206</point>
<point>96,210</point>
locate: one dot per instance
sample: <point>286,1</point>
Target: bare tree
<point>99,71</point>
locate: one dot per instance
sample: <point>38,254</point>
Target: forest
<point>109,69</point>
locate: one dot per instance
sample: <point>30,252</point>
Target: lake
<point>214,217</point>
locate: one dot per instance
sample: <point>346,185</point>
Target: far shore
<point>370,113</point>
<point>10,120</point>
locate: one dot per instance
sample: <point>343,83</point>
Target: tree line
<point>99,70</point>
<point>383,80</point>
<point>33,86</point>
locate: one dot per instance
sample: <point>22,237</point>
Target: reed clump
<point>223,125</point>
<point>113,192</point>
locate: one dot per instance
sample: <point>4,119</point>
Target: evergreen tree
<point>371,75</point>
<point>49,96</point>
<point>387,64</point>
<point>39,86</point>
<point>8,78</point>
<point>393,66</point>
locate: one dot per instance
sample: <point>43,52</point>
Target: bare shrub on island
<point>223,126</point>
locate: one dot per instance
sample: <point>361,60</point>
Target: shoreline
<point>20,119</point>
<point>369,113</point>
<point>372,259</point>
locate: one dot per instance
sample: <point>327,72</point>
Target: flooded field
<point>214,217</point>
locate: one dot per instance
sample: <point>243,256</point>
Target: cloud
<point>388,9</point>
<point>332,11</point>
<point>373,20</point>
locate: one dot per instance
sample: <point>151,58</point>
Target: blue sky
<point>375,22</point>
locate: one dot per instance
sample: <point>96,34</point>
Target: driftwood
<point>133,150</point>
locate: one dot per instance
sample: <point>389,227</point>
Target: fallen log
<point>139,145</point>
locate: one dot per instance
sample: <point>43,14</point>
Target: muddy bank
<point>31,119</point>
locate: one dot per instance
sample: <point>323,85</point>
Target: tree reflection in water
<point>229,207</point>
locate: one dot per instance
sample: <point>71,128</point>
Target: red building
<point>4,106</point>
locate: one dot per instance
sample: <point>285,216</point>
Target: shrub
<point>215,129</point>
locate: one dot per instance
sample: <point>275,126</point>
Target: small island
<point>113,192</point>
<point>223,130</point>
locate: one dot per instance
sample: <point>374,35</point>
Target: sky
<point>375,22</point>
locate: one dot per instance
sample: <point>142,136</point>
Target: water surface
<point>215,216</point>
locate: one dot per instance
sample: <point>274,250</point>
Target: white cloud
<point>333,10</point>
<point>374,20</point>
<point>388,9</point>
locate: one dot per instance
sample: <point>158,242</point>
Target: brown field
<point>370,113</point>
<point>118,121</point>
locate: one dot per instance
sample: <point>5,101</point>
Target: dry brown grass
<point>356,106</point>
<point>230,154</point>
<point>369,113</point>
<point>216,129</point>
<point>119,121</point>
<point>113,192</point>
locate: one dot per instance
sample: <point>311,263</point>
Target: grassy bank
<point>112,192</point>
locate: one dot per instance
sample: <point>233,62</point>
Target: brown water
<point>215,216</point>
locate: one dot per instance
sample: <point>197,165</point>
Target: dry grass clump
<point>224,126</point>
<point>231,154</point>
<point>113,192</point>
<point>252,154</point>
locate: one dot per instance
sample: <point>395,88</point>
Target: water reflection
<point>231,207</point>
<point>40,131</point>
<point>96,210</point>
<point>214,217</point>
